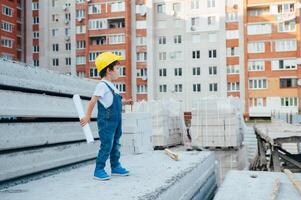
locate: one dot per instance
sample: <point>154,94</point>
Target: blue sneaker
<point>120,171</point>
<point>101,175</point>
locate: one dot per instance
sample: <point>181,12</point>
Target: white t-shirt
<point>104,93</point>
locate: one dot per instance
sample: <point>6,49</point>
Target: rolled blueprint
<point>80,111</point>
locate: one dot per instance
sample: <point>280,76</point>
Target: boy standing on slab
<point>109,104</point>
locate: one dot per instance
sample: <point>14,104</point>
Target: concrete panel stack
<point>167,121</point>
<point>137,130</point>
<point>216,123</point>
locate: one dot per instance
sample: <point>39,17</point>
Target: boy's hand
<point>128,102</point>
<point>85,120</point>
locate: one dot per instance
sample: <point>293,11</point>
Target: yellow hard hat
<point>104,59</point>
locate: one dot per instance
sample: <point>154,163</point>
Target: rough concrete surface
<point>240,185</point>
<point>152,174</point>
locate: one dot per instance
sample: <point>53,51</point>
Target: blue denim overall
<point>109,130</point>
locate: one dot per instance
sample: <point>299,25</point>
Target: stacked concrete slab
<point>167,121</point>
<point>216,123</point>
<point>137,130</point>
<point>154,176</point>
<point>250,185</point>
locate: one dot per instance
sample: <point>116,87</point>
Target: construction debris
<point>275,190</point>
<point>171,154</point>
<point>293,180</point>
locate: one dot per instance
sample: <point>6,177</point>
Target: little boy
<point>109,116</point>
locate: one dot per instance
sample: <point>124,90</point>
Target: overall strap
<point>113,92</point>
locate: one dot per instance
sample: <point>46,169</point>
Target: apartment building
<point>12,26</point>
<point>197,50</point>
<point>50,35</point>
<point>272,55</point>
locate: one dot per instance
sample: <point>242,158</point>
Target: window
<point>178,23</point>
<point>53,3</point>
<point>116,39</point>
<point>162,55</point>
<point>232,51</point>
<point>80,14</point>
<point>6,26</point>
<point>256,29</point>
<point>55,32</point>
<point>287,26</point>
<point>141,41</point>
<point>212,37</point>
<point>196,87</point>
<point>232,69</point>
<point>35,5</point>
<point>211,20</point>
<point>258,102</point>
<point>80,1</point>
<point>163,88</point>
<point>7,42</point>
<point>176,7</point>
<point>178,87</point>
<point>141,9</point>
<point>35,20</point>
<point>178,71</point>
<point>68,61</point>
<point>232,34</point>
<point>259,11</point>
<point>81,74</point>
<point>80,29</point>
<point>285,8</point>
<point>162,39</point>
<point>35,34</point>
<point>257,83</point>
<point>141,24</point>
<point>97,24</point>
<point>195,21</point>
<point>68,46</point>
<point>81,60</point>
<point>163,72</point>
<point>289,101</point>
<point>35,48</point>
<point>141,89</point>
<point>36,63</point>
<point>284,65</point>
<point>141,57</point>
<point>256,47</point>
<point>81,44</point>
<point>55,18</point>
<point>285,45</point>
<point>196,54</point>
<point>94,8</point>
<point>212,53</point>
<point>118,7</point>
<point>93,55</point>
<point>196,71</point>
<point>161,8</point>
<point>67,32</point>
<point>288,82</point>
<point>213,87</point>
<point>94,72</point>
<point>233,86</point>
<point>257,65</point>
<point>176,55</point>
<point>55,47</point>
<point>120,87</point>
<point>142,72</point>
<point>212,70</point>
<point>121,71</point>
<point>7,11</point>
<point>210,3</point>
<point>195,4</point>
<point>231,17</point>
<point>196,38</point>
<point>231,2</point>
<point>55,62</point>
<point>177,39</point>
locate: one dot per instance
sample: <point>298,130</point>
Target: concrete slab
<point>154,175</point>
<point>240,185</point>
